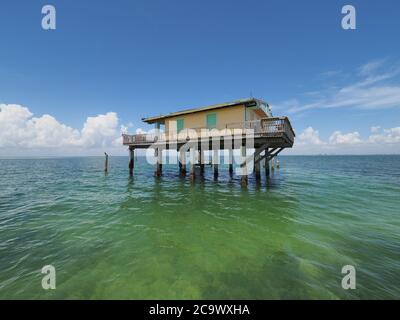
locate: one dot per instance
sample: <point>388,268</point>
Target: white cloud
<point>310,136</point>
<point>150,131</point>
<point>386,141</point>
<point>388,136</point>
<point>140,131</point>
<point>20,130</point>
<point>348,138</point>
<point>100,130</point>
<point>125,128</point>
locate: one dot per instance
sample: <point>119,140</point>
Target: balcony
<point>277,131</point>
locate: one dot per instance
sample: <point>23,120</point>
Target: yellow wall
<point>199,119</point>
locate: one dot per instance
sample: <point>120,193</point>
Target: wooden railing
<point>266,127</point>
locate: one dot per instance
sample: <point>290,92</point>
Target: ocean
<point>116,237</point>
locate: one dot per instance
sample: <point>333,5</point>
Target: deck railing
<point>267,127</point>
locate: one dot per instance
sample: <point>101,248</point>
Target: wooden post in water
<point>257,168</point>
<point>230,156</point>
<point>243,178</point>
<point>266,164</point>
<point>215,163</point>
<point>106,163</point>
<point>192,163</point>
<point>201,160</point>
<point>131,160</point>
<point>158,154</point>
<point>182,162</point>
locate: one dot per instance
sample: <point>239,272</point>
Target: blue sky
<point>128,59</point>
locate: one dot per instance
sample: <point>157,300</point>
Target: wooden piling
<point>201,161</point>
<point>230,156</point>
<point>257,168</point>
<point>106,163</point>
<point>243,178</point>
<point>215,163</point>
<point>266,164</point>
<point>192,163</point>
<point>158,154</point>
<point>131,160</point>
<point>182,162</point>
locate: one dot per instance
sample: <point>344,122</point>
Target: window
<point>211,121</point>
<point>180,124</point>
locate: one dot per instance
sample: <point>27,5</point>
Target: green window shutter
<point>211,121</point>
<point>180,125</point>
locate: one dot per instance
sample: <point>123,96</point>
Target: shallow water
<point>115,237</point>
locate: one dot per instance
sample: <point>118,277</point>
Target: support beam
<point>260,150</point>
<point>158,154</point>
<point>256,156</point>
<point>266,164</point>
<point>257,169</point>
<point>131,160</point>
<point>230,155</point>
<point>182,162</point>
<point>272,155</point>
<point>215,163</point>
<point>201,161</point>
<point>243,178</point>
<point>192,163</point>
<point>267,153</point>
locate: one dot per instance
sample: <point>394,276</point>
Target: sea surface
<point>112,236</point>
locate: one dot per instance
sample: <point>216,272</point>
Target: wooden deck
<point>274,132</point>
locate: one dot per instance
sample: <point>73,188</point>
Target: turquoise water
<point>113,237</point>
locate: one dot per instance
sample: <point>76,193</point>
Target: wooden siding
<point>199,119</point>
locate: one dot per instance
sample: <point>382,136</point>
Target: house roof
<point>248,101</point>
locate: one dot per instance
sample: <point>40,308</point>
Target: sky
<point>73,90</point>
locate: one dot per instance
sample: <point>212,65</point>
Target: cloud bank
<point>22,134</point>
<point>380,141</point>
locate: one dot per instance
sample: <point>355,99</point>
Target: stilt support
<point>131,160</point>
<point>244,177</point>
<point>201,161</point>
<point>192,163</point>
<point>230,157</point>
<point>158,154</point>
<point>215,163</point>
<point>182,162</point>
<point>257,169</point>
<point>266,164</point>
